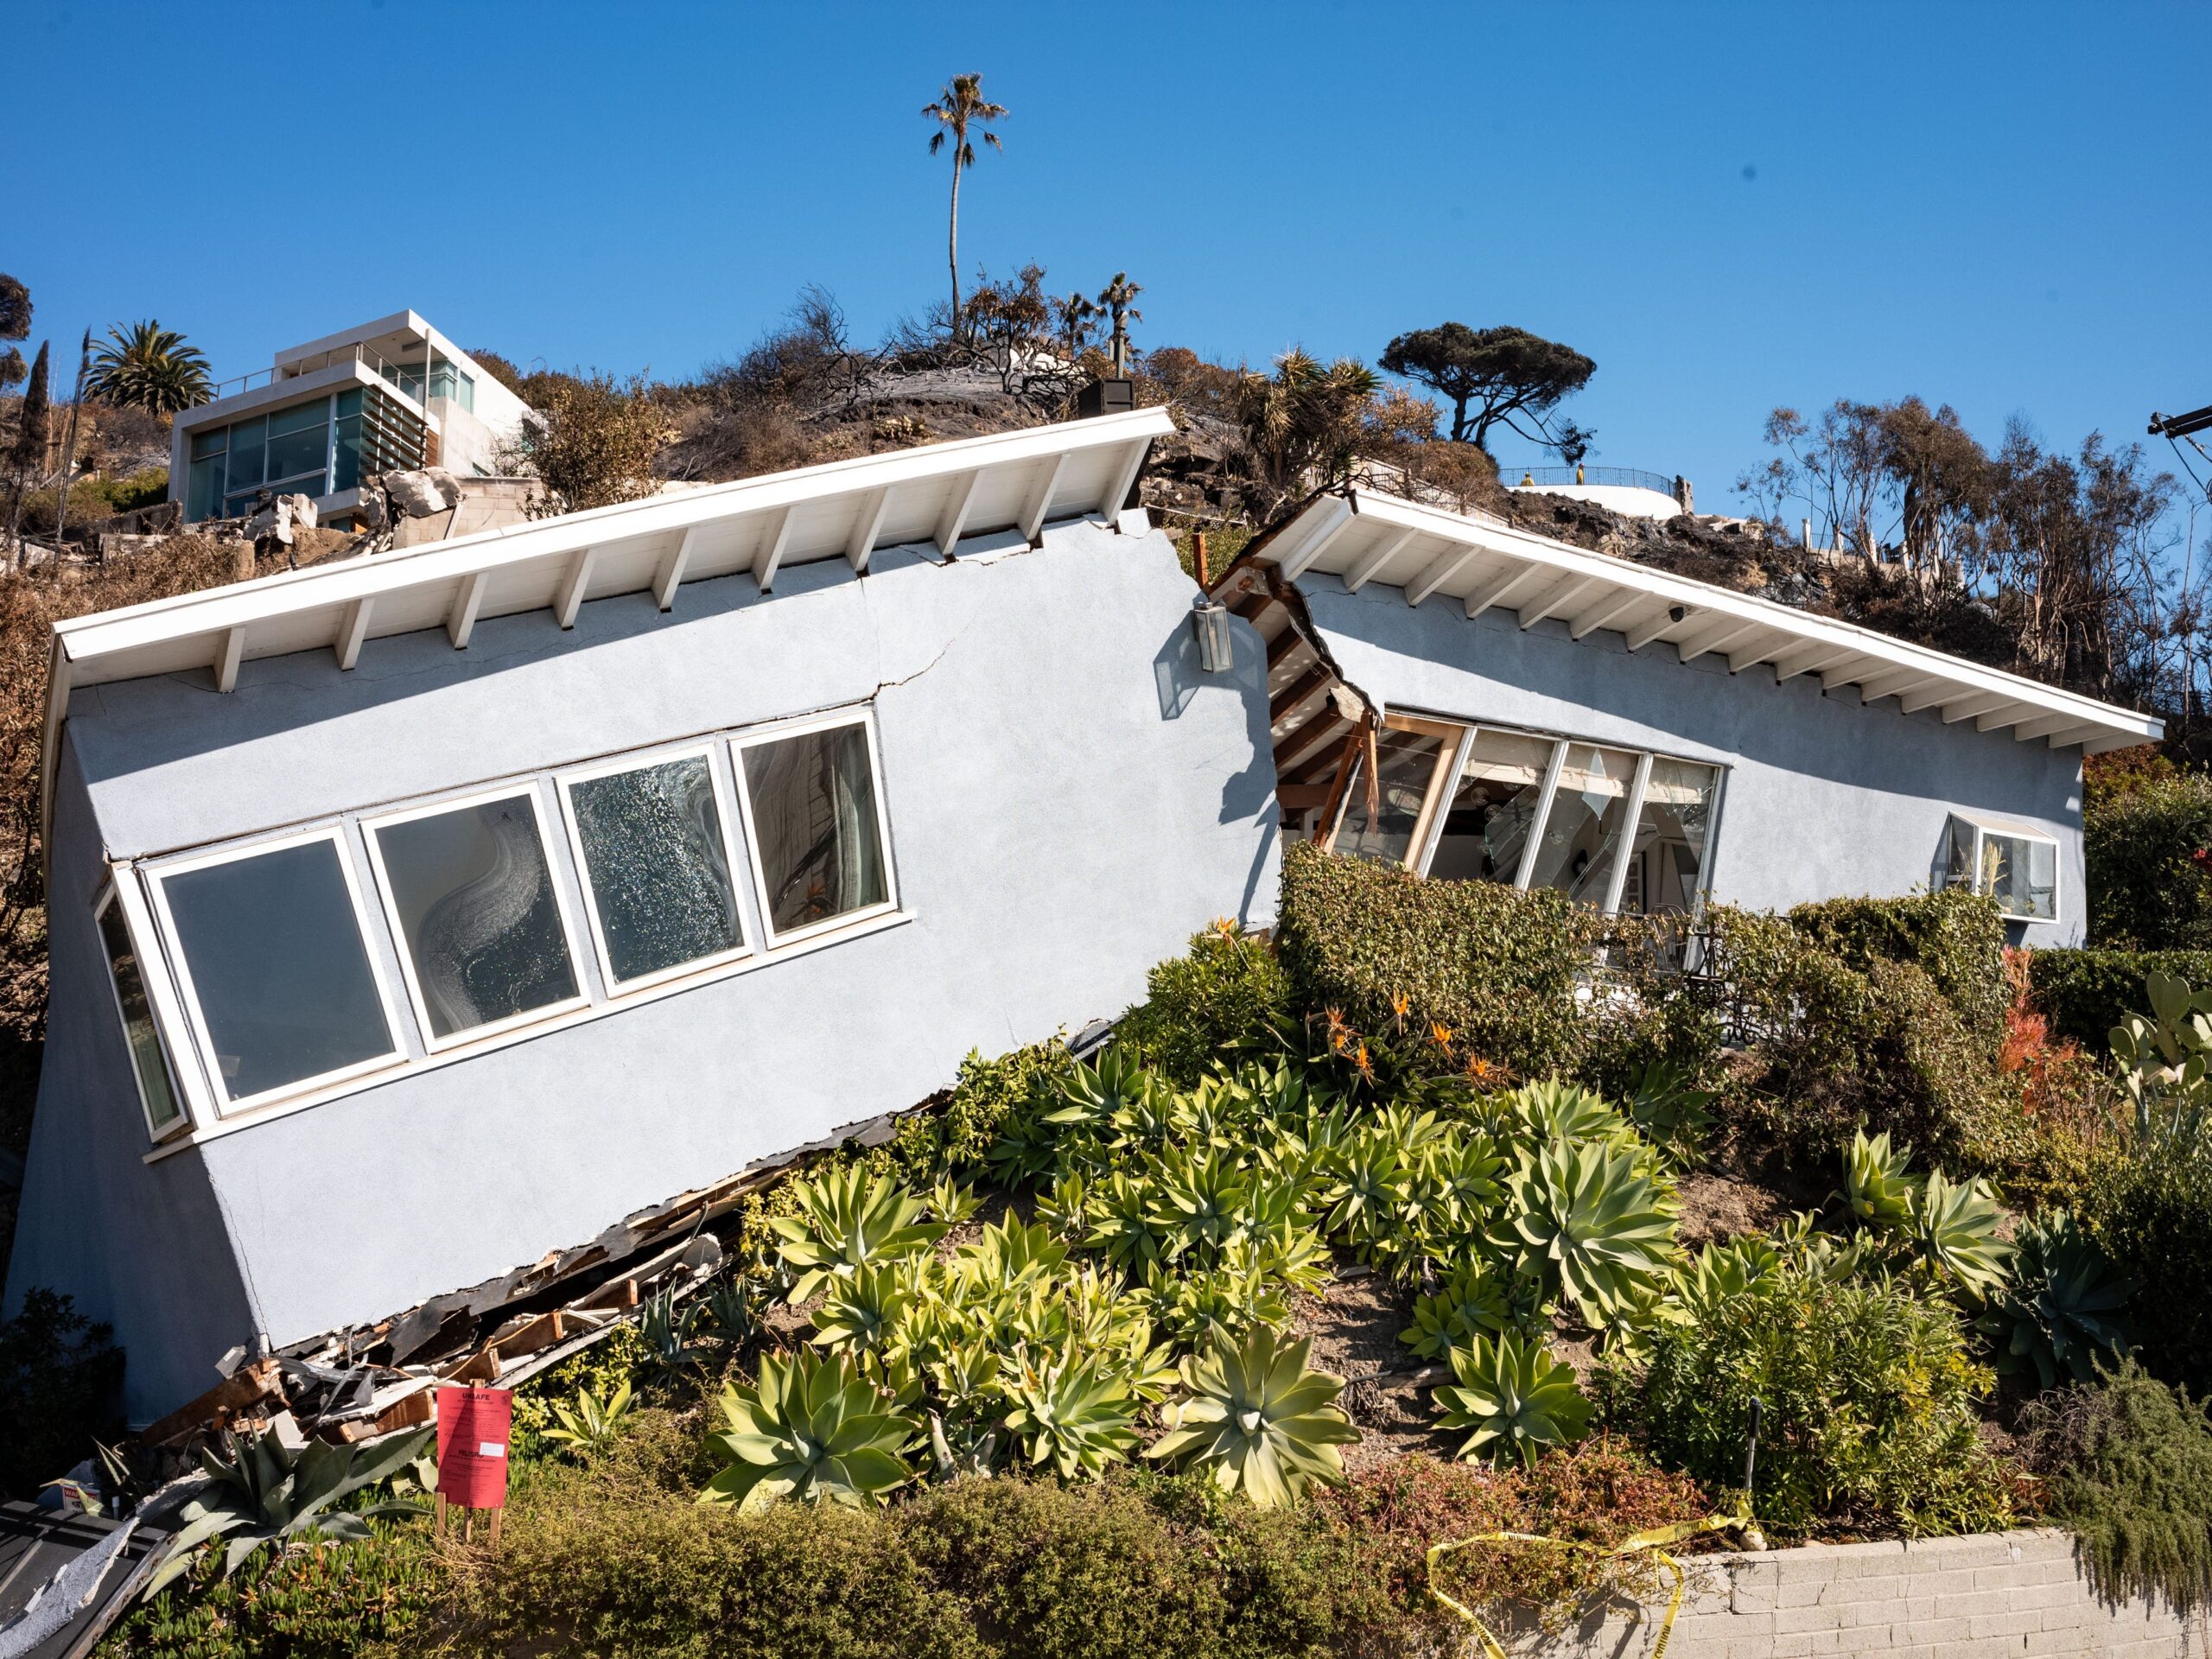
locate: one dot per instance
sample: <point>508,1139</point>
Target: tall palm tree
<point>150,368</point>
<point>1115,300</point>
<point>959,105</point>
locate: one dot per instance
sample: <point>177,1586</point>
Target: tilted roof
<point>1426,552</point>
<point>842,509</point>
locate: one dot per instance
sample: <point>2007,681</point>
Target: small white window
<point>272,955</point>
<point>483,930</point>
<point>653,841</point>
<point>149,1062</point>
<point>2016,865</point>
<point>814,821</point>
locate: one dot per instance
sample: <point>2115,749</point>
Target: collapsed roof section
<point>843,510</point>
<point>1364,538</point>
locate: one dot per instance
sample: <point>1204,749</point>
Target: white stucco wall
<point>1823,797</point>
<point>1068,798</point>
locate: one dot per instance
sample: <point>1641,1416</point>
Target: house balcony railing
<point>1632,477</point>
<point>275,374</point>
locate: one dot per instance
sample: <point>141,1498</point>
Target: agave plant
<point>666,1331</point>
<point>591,1422</point>
<point>846,1221</point>
<point>1875,1182</point>
<point>1953,1226</point>
<point>1481,1298</point>
<point>1007,1253</point>
<point>1078,1416</point>
<point>1231,1298</point>
<point>1556,1111</point>
<point>1666,1103</point>
<point>1515,1397</point>
<point>2063,1306</point>
<point>1594,1220</point>
<point>264,1492</point>
<point>733,1309</point>
<point>1198,1201</point>
<point>1256,1416</point>
<point>808,1428</point>
<point>1721,1273</point>
<point>860,1312</point>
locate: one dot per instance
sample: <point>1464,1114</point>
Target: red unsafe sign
<point>473,1427</point>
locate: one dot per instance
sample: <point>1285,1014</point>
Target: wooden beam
<point>353,628</point>
<point>1640,637</point>
<point>1723,633</point>
<point>1297,754</point>
<point>1604,613</point>
<point>1875,687</point>
<point>1343,777</point>
<point>954,518</point>
<point>770,557</point>
<point>2066,735</point>
<point>1560,599</point>
<point>669,576</point>
<point>2011,712</point>
<point>228,655</point>
<point>1970,707</point>
<point>1253,605</point>
<point>1125,480</point>
<point>1314,679</point>
<point>1300,700</point>
<point>2043,726</point>
<point>1440,570</point>
<point>570,600</point>
<point>1282,645</point>
<point>866,528</point>
<point>1369,568</point>
<point>1817,657</point>
<point>1911,702</point>
<point>1040,497</point>
<point>460,620</point>
<point>1334,517</point>
<point>1498,589</point>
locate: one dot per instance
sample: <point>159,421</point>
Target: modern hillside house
<point>416,918</point>
<point>391,394</point>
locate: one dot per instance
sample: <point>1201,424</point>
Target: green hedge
<point>1954,938</point>
<point>2084,993</point>
<point>1498,968</point>
<point>2148,891</point>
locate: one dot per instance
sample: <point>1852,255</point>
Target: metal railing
<point>386,370</point>
<point>1632,478</point>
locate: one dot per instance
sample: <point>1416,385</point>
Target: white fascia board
<point>398,322</point>
<point>108,636</point>
<point>2120,726</point>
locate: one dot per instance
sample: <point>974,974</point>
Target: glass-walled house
<point>391,394</point>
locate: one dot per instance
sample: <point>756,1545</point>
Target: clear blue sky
<point>2003,207</point>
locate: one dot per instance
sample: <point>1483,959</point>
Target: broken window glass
<point>1408,759</point>
<point>473,900</point>
<point>273,946</point>
<point>1582,833</point>
<point>146,1057</point>
<point>658,862</point>
<point>818,824</point>
<point>1666,862</point>
<point>1487,827</point>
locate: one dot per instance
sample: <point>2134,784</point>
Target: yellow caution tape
<point>1653,1541</point>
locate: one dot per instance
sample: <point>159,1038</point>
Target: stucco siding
<point>1068,799</point>
<point>1824,797</point>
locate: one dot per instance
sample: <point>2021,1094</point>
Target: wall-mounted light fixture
<point>1209,623</point>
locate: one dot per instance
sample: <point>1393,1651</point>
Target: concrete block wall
<point>2016,1595</point>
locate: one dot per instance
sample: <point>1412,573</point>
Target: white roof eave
<point>1005,481</point>
<point>1361,537</point>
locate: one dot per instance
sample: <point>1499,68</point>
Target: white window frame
<point>864,718</point>
<point>725,809</point>
<point>111,893</point>
<point>1428,831</point>
<point>1983,828</point>
<point>225,1106</point>
<point>432,1043</point>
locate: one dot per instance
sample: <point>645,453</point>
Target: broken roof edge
<point>1313,537</point>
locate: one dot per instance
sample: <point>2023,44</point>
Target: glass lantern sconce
<point>1209,623</point>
